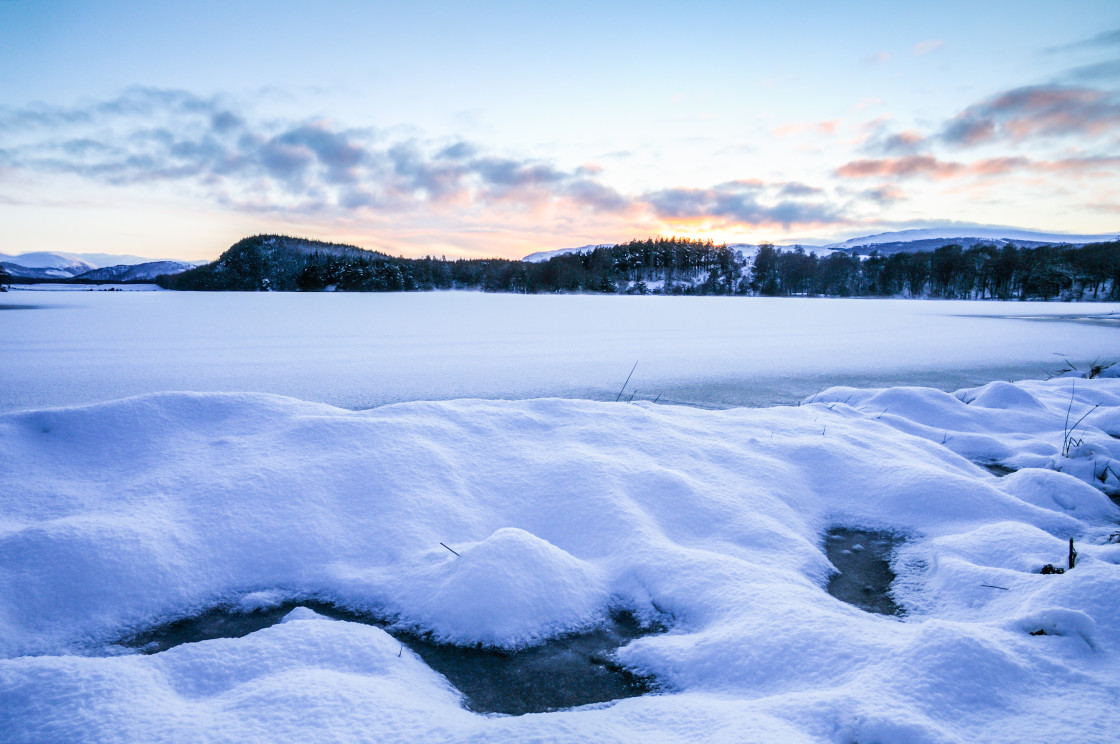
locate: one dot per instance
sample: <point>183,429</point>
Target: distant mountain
<point>139,272</point>
<point>59,265</point>
<point>102,260</point>
<point>74,264</point>
<point>930,239</point>
<point>541,256</point>
<point>26,272</point>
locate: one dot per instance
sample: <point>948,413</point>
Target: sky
<point>172,130</point>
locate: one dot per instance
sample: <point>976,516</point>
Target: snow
<point>46,259</point>
<point>361,350</point>
<point>120,515</point>
<point>748,250</point>
<point>69,263</point>
<point>1067,424</point>
<point>542,256</point>
<point>975,231</point>
<point>87,288</point>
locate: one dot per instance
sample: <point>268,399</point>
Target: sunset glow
<point>502,130</point>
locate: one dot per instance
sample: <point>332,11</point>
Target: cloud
<point>908,166</point>
<point>880,58</point>
<point>883,195</point>
<point>1035,111</point>
<point>931,168</point>
<point>137,101</point>
<point>925,47</point>
<point>316,168</point>
<point>906,142</point>
<point>149,135</point>
<point>1104,39</point>
<point>1106,71</point>
<point>818,128</point>
<point>743,203</point>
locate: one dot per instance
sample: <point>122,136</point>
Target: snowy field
<point>509,524</point>
<point>358,351</point>
<point>118,517</point>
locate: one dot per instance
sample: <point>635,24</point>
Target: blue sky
<point>505,128</point>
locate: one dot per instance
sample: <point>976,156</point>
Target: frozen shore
<point>118,516</point>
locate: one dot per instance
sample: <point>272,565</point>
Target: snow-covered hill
<point>58,264</point>
<point>138,272</point>
<point>74,264</point>
<point>541,256</point>
<point>927,239</point>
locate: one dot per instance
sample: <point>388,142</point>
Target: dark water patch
<point>996,469</point>
<point>863,559</point>
<point>576,669</point>
<point>220,622</point>
<point>563,673</point>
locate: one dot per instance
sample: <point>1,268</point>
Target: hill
<point>136,273</point>
<point>274,263</point>
<point>930,239</point>
<point>44,265</point>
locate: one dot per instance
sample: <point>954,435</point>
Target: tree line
<point>1091,272</point>
<point>677,265</point>
<point>674,266</point>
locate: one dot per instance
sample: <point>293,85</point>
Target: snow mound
<point>1006,396</point>
<point>302,613</point>
<point>508,590</point>
<point>1068,425</point>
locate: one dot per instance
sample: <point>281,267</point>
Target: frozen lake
<point>363,350</point>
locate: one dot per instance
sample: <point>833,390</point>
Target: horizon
<point>502,130</point>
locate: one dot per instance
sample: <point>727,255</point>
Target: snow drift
<point>118,516</point>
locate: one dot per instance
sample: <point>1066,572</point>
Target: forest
<point>675,266</point>
<point>1045,272</point>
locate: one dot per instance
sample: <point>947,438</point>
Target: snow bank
<point>121,515</point>
<point>1068,425</point>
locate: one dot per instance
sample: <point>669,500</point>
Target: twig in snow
<point>993,586</point>
<point>619,396</point>
<point>1072,388</point>
<point>631,398</point>
<point>451,550</point>
<point>402,647</point>
<point>657,398</point>
<point>1068,442</point>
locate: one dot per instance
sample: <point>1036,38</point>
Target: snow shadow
<point>566,672</point>
<point>863,559</point>
<point>996,469</point>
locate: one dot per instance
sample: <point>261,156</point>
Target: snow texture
<point>121,515</point>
